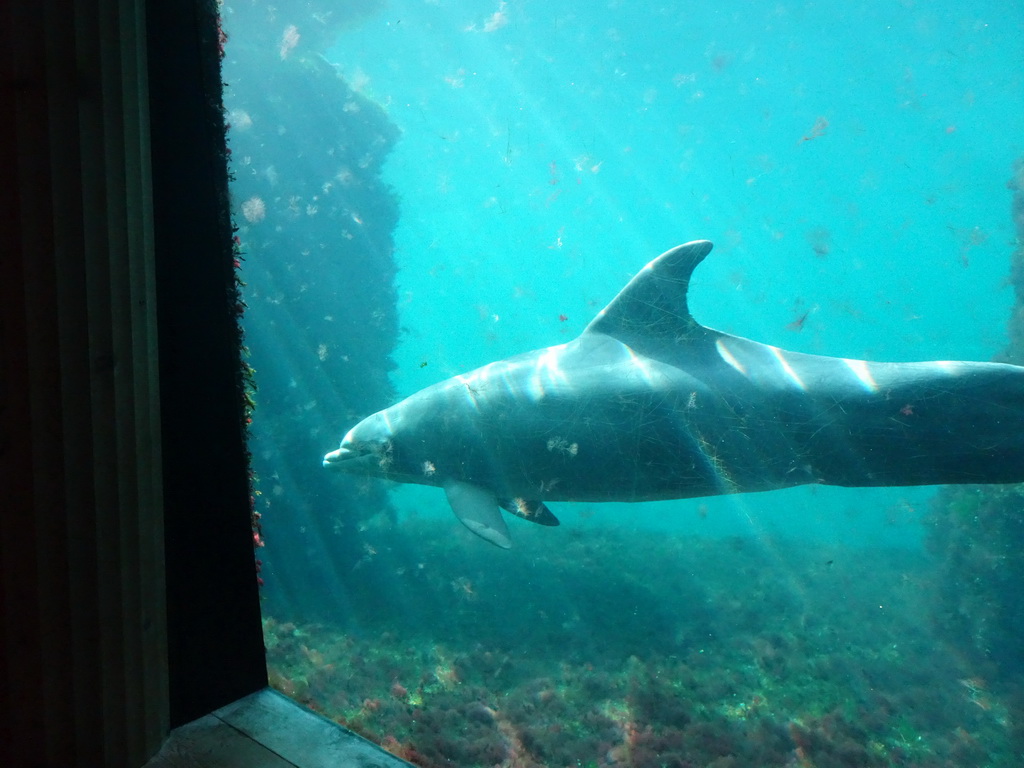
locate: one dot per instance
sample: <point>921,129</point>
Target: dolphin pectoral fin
<point>477,508</point>
<point>529,509</point>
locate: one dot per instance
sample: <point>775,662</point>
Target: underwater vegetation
<point>314,237</point>
<point>623,648</point>
<point>977,533</point>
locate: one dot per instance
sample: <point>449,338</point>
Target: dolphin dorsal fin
<point>653,306</point>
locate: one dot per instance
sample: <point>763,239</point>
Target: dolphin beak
<point>355,457</point>
<point>338,457</point>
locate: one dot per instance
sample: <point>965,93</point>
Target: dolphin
<point>649,404</point>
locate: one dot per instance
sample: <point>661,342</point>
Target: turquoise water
<point>422,188</point>
<point>668,123</point>
<point>544,162</point>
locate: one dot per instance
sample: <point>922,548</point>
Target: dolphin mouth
<point>356,458</point>
<point>350,459</point>
<point>335,459</point>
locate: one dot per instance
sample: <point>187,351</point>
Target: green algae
<point>842,669</point>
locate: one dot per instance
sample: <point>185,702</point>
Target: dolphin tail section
<point>477,509</point>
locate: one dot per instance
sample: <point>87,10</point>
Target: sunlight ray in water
<point>426,192</point>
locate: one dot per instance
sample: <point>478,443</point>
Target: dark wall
<point>83,658</point>
<point>215,640</point>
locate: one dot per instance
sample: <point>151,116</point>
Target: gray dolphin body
<point>648,404</point>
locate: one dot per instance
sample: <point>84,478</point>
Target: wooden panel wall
<point>83,671</point>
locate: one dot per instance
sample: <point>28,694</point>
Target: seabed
<point>607,648</point>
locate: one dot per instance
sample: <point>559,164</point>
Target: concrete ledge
<point>268,730</point>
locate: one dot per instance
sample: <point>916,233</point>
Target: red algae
<point>780,678</point>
